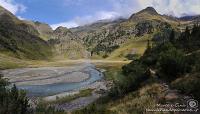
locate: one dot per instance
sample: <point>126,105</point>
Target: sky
<point>73,13</point>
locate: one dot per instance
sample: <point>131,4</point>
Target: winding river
<point>47,81</point>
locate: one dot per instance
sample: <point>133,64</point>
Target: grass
<point>82,93</point>
<point>96,57</point>
<point>188,84</point>
<point>133,103</point>
<point>112,70</point>
<point>7,62</point>
<point>113,73</point>
<point>138,101</point>
<point>137,44</point>
<point>10,62</point>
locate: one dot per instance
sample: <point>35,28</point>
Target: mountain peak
<point>149,10</point>
<point>61,29</point>
<point>143,13</point>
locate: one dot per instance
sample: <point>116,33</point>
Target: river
<point>47,81</point>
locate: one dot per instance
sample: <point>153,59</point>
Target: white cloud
<point>12,6</point>
<point>125,8</point>
<point>173,7</point>
<point>78,21</point>
<point>101,15</point>
<point>69,24</point>
<point>21,18</point>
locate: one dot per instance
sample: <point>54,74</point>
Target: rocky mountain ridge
<point>106,37</point>
<point>101,38</point>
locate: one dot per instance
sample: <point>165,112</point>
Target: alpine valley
<point>120,66</point>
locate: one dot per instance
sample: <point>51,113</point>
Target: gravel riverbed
<point>53,82</point>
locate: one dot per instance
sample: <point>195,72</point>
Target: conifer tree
<point>172,36</point>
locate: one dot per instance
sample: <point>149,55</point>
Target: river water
<point>38,89</point>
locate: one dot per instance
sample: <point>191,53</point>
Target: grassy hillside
<point>106,39</point>
<point>7,62</point>
<point>134,46</point>
<point>20,39</point>
<point>45,31</point>
<point>67,45</point>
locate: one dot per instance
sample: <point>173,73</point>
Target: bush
<point>172,63</point>
<point>134,75</point>
<point>12,101</point>
<point>105,56</point>
<point>151,55</point>
<point>189,85</point>
<point>132,56</point>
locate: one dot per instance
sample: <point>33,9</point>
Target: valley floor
<point>148,96</point>
<point>8,62</point>
<point>31,75</point>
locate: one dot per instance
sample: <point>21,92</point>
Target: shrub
<point>189,85</point>
<point>132,56</point>
<point>151,55</point>
<point>12,101</point>
<point>134,75</point>
<point>172,63</point>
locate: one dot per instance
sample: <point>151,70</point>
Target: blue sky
<point>72,13</point>
<point>55,11</point>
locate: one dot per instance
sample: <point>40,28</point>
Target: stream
<point>47,81</point>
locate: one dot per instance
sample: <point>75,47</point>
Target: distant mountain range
<point>105,38</point>
<point>190,18</point>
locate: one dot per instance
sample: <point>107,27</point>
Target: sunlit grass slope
<point>135,45</point>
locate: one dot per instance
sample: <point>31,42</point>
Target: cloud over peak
<point>88,19</point>
<point>173,7</point>
<point>81,12</point>
<point>125,8</point>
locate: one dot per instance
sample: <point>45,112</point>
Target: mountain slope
<point>67,44</point>
<point>20,39</point>
<point>104,38</point>
<point>45,31</point>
